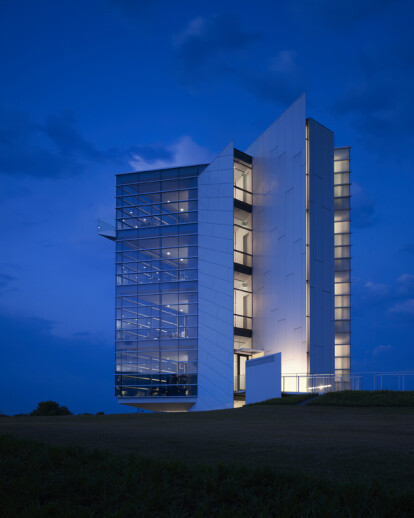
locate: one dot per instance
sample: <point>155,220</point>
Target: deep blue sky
<point>90,89</point>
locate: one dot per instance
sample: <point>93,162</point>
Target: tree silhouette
<point>45,408</point>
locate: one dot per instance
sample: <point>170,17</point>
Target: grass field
<point>367,398</point>
<point>331,443</point>
<point>39,480</point>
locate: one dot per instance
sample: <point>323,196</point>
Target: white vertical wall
<point>215,284</point>
<point>263,378</point>
<point>279,239</point>
<point>321,249</point>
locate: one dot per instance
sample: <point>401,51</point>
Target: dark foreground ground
<point>349,444</point>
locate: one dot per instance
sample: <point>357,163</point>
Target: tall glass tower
<point>156,283</point>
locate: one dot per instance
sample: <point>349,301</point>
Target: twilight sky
<point>90,89</point>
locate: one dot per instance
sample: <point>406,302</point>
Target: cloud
<point>201,49</point>
<point>377,288</point>
<point>61,130</point>
<point>25,148</point>
<point>184,151</point>
<point>378,99</point>
<point>49,149</point>
<point>56,148</point>
<point>396,298</point>
<point>211,48</point>
<point>406,307</point>
<point>380,349</point>
<point>406,283</point>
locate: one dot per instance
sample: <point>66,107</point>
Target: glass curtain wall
<point>243,301</point>
<point>156,283</point>
<point>342,205</point>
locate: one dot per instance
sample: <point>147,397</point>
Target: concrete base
<point>161,405</point>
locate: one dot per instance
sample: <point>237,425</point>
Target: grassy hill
<point>377,398</point>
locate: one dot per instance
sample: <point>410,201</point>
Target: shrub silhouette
<point>45,408</point>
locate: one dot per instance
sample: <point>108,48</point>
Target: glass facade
<point>243,250</point>
<point>342,224</point>
<point>156,283</point>
<point>243,242</point>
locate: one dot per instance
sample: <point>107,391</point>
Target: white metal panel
<point>263,378</point>
<point>215,284</point>
<point>279,239</point>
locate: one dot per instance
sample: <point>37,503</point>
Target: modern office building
<point>247,257</point>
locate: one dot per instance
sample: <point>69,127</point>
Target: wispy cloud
<point>184,151</point>
<point>377,288</point>
<point>396,298</point>
<point>202,48</point>
<point>56,148</point>
<point>406,283</point>
<point>209,49</point>
<point>381,349</point>
<point>405,307</point>
<point>383,119</point>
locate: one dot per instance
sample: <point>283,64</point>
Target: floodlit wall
<point>263,378</point>
<point>215,281</point>
<point>320,250</point>
<point>279,239</point>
